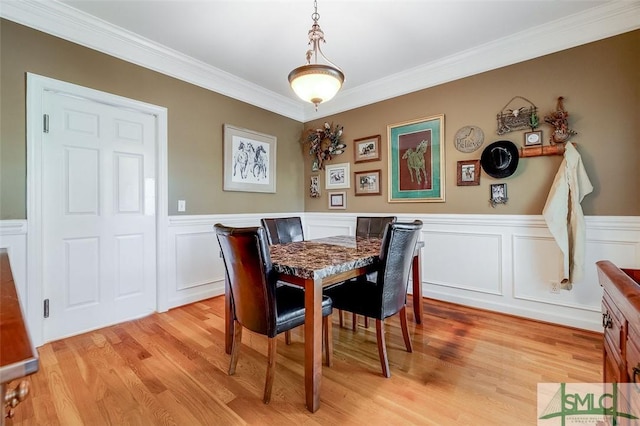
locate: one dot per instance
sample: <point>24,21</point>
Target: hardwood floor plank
<point>468,367</point>
<point>67,410</point>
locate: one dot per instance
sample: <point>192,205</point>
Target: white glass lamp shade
<point>316,83</point>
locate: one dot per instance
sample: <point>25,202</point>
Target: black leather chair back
<point>396,255</point>
<point>251,278</point>
<point>370,226</point>
<point>283,229</point>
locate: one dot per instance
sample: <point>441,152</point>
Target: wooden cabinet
<point>612,323</point>
<point>621,323</point>
<point>18,358</point>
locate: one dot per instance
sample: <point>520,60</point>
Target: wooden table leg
<point>313,343</point>
<point>418,309</point>
<point>228,317</point>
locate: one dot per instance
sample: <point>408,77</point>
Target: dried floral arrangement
<point>324,143</point>
<point>560,123</point>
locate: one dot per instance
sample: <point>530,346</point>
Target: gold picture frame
<point>416,160</point>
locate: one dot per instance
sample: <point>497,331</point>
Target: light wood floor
<point>469,367</point>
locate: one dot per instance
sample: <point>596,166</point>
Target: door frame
<point>37,85</point>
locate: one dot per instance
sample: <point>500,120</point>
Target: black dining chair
<point>282,230</point>
<point>368,226</point>
<point>258,303</point>
<point>386,296</point>
<point>372,226</point>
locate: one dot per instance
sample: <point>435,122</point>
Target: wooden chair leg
<point>382,348</point>
<point>328,340</point>
<point>271,370</point>
<point>405,329</point>
<point>235,347</point>
<point>340,321</point>
<point>287,337</point>
<point>354,323</point>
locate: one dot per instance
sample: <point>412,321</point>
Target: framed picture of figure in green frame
<point>416,160</point>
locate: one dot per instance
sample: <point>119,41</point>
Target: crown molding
<point>62,21</point>
<point>606,20</point>
<point>70,24</point>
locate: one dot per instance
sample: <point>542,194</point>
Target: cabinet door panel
<point>613,332</point>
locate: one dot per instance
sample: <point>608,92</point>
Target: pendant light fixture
<point>316,82</point>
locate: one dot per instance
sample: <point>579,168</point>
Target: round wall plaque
<point>468,138</point>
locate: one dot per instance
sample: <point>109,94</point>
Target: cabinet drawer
<point>633,331</point>
<point>611,372</point>
<point>631,393</point>
<point>611,307</point>
<point>628,404</point>
<point>633,361</point>
<point>612,322</point>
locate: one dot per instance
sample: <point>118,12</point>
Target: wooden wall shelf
<point>537,151</point>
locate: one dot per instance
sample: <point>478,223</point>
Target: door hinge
<point>45,123</point>
<point>46,308</point>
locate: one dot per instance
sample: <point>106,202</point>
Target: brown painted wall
<point>196,117</point>
<point>601,85</point>
<point>600,82</point>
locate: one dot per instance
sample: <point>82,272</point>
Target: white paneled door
<point>98,226</point>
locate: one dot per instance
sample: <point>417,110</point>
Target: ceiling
<point>245,49</point>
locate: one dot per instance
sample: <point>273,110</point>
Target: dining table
<point>313,265</point>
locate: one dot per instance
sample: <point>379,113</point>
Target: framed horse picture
<point>416,160</point>
<point>367,149</point>
<point>337,176</point>
<point>249,160</point>
<point>367,182</point>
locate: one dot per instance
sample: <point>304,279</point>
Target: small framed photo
<point>533,138</point>
<point>468,172</point>
<point>367,149</point>
<point>337,176</point>
<point>498,194</point>
<point>338,200</point>
<point>367,182</point>
<point>314,187</point>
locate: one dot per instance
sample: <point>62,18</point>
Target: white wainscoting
<point>495,262</point>
<point>13,237</point>
<point>506,263</point>
<point>194,266</point>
